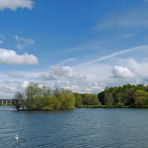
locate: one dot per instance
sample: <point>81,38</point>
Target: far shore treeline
<point>44,99</point>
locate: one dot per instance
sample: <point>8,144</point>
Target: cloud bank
<point>11,57</point>
<point>93,78</point>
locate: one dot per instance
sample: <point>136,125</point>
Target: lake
<point>80,128</point>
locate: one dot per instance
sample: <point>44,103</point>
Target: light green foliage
<point>67,99</point>
<point>54,103</point>
<point>38,98</point>
<point>78,100</point>
<point>141,98</point>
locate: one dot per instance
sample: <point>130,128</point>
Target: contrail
<point>114,55</point>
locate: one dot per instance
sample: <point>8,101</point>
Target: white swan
<point>16,137</point>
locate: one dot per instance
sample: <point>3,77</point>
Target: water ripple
<point>97,128</point>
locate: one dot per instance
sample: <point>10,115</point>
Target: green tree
<point>91,99</point>
<point>19,102</point>
<point>32,90</point>
<point>67,99</point>
<point>108,99</point>
<point>101,97</point>
<point>78,100</point>
<point>141,98</point>
<point>46,91</point>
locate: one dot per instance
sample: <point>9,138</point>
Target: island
<point>43,98</point>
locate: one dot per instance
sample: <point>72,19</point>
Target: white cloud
<point>95,72</point>
<point>131,71</point>
<point>7,89</point>
<point>139,68</point>
<point>122,72</point>
<point>23,42</point>
<point>11,57</point>
<point>2,39</point>
<point>15,4</point>
<point>70,78</point>
<point>24,84</point>
<point>65,72</point>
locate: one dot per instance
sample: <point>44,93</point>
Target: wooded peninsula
<point>44,99</point>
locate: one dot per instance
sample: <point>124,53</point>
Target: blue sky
<point>82,45</point>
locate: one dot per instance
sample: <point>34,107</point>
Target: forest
<point>45,99</point>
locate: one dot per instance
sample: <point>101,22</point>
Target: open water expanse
<point>80,128</point>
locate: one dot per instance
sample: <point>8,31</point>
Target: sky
<point>81,45</point>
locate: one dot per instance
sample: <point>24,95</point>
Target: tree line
<point>45,99</point>
<point>125,96</point>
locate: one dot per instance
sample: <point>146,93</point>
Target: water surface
<point>80,128</point>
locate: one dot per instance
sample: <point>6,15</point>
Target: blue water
<point>80,128</point>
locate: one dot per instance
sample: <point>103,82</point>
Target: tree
<point>141,98</point>
<point>78,100</point>
<point>53,103</point>
<point>91,99</point>
<point>108,99</point>
<point>32,90</point>
<point>46,91</point>
<point>19,102</point>
<point>67,99</point>
<point>101,97</point>
<point>42,98</point>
